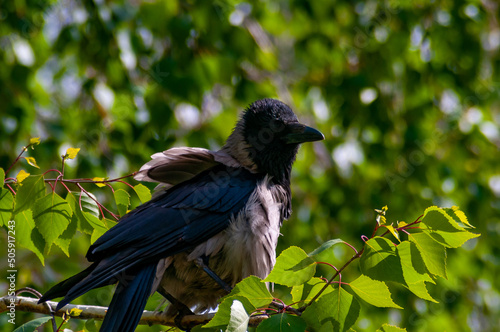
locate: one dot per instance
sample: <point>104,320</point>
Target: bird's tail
<point>129,300</point>
<point>62,288</point>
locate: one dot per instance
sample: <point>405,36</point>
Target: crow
<point>214,219</point>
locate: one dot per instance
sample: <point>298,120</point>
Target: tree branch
<point>28,304</point>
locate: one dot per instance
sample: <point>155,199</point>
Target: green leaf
<point>390,328</point>
<point>374,292</point>
<point>304,293</point>
<point>458,215</point>
<point>283,323</point>
<point>2,176</point>
<point>420,289</point>
<point>32,189</point>
<point>143,193</point>
<point>253,289</point>
<point>433,254</point>
<point>52,215</point>
<point>221,318</point>
<point>414,271</point>
<point>326,245</point>
<point>6,206</point>
<point>293,267</point>
<point>32,325</point>
<point>444,229</point>
<point>337,311</point>
<point>65,239</point>
<point>238,319</point>
<point>98,225</point>
<point>27,235</point>
<point>380,262</point>
<point>413,265</point>
<point>122,199</point>
<point>73,200</point>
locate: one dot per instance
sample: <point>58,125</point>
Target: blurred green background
<point>406,93</point>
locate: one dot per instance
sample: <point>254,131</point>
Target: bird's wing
<point>179,219</point>
<point>177,165</point>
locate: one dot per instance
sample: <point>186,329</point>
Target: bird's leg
<point>202,263</point>
<point>181,308</point>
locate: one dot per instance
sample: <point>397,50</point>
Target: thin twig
<point>8,186</point>
<point>17,159</point>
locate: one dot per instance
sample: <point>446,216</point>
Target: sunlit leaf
<point>31,161</point>
<point>254,289</point>
<point>374,292</point>
<point>142,192</point>
<point>238,318</point>
<point>21,176</point>
<point>444,229</point>
<point>390,328</point>
<point>221,318</point>
<point>293,267</point>
<point>75,312</point>
<point>99,181</point>
<point>71,153</point>
<point>393,231</point>
<point>34,141</point>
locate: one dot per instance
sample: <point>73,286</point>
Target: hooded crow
<point>214,220</point>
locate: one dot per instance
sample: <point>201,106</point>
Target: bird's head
<point>267,137</point>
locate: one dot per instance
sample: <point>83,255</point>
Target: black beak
<point>299,133</point>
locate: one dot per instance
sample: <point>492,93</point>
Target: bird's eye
<point>277,125</point>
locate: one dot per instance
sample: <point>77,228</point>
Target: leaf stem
<point>301,309</point>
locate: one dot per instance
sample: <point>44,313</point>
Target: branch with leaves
<point>416,259</point>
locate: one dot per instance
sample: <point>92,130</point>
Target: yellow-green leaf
<point>31,161</point>
<point>71,153</point>
<point>75,312</point>
<point>390,328</point>
<point>34,141</point>
<point>393,231</point>
<point>22,175</point>
<point>98,180</point>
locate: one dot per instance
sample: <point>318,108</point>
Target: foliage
<point>318,304</point>
<point>406,93</point>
